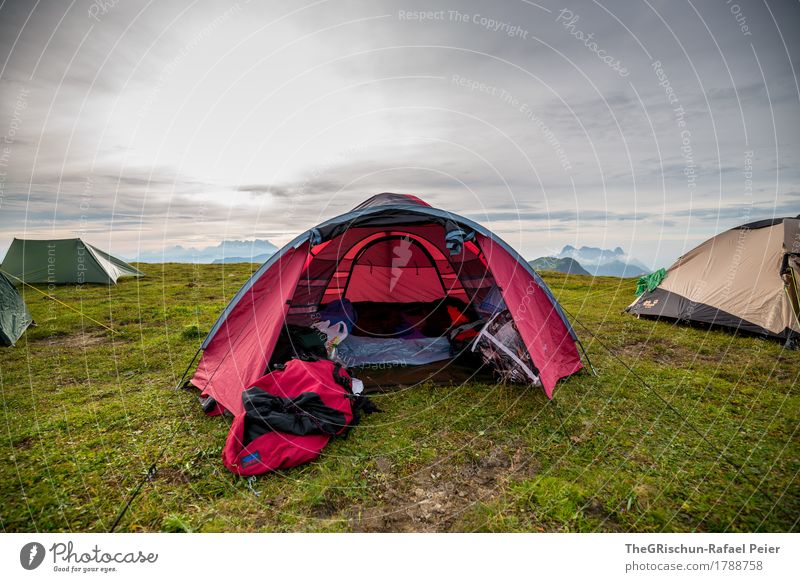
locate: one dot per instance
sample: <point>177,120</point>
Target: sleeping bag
<point>289,416</point>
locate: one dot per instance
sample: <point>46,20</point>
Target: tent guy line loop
<point>683,417</point>
<point>78,311</point>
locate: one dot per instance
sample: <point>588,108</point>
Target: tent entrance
<point>374,265</point>
<point>312,271</point>
<point>406,290</point>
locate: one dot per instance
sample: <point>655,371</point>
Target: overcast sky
<point>651,126</point>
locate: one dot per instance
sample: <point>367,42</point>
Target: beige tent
<point>745,278</point>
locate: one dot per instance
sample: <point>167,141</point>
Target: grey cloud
<point>748,212</point>
<point>577,215</point>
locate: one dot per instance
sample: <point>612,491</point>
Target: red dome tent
<point>391,249</point>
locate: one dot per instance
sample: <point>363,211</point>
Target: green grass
<point>85,411</point>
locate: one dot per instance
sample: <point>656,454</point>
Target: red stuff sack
<point>289,416</point>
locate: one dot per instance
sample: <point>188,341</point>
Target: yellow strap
<point>82,314</point>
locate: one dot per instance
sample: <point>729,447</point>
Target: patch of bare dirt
<point>172,476</point>
<point>81,339</point>
<point>596,510</point>
<point>663,353</point>
<point>25,443</point>
<point>432,499</point>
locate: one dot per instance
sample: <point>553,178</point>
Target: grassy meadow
<point>85,411</point>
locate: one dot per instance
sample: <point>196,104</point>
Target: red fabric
<point>416,200</point>
<point>270,452</point>
<point>466,334</point>
<point>394,285</point>
<point>299,376</point>
<point>324,278</point>
<point>547,338</point>
<point>241,348</point>
<point>276,450</point>
<point>456,317</point>
<point>394,270</point>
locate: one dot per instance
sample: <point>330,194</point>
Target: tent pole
<point>585,355</point>
<point>189,367</point>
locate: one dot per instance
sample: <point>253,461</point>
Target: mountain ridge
<point>258,250</point>
<point>605,262</point>
<point>560,265</point>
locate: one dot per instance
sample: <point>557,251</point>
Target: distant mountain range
<point>605,262</point>
<point>228,251</point>
<point>592,261</point>
<point>578,261</point>
<point>567,265</point>
<point>256,259</point>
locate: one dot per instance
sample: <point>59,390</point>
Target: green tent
<point>14,315</point>
<point>63,261</point>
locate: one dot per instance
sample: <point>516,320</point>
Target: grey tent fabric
<point>14,315</point>
<point>64,261</point>
<point>745,278</point>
